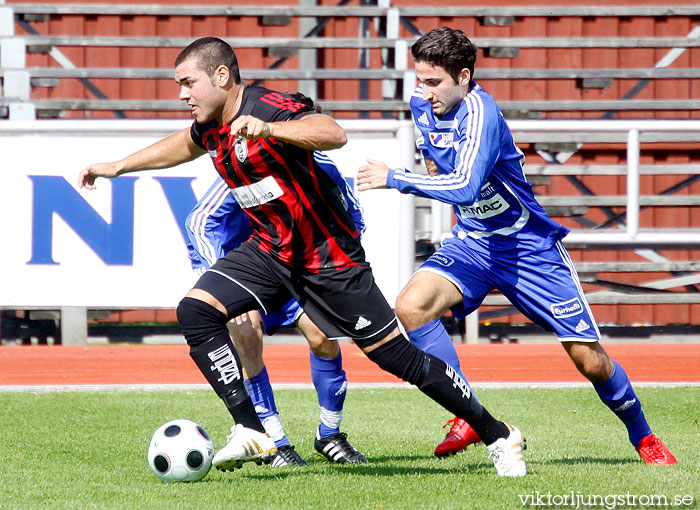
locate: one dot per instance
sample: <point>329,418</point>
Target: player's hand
<point>87,177</point>
<point>250,127</point>
<point>372,175</point>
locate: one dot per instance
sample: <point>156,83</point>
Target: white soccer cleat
<point>244,445</point>
<point>507,454</point>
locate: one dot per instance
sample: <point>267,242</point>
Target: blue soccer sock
<point>617,393</point>
<point>331,386</point>
<point>260,391</point>
<point>434,339</point>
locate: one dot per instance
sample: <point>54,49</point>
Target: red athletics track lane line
<point>171,364</point>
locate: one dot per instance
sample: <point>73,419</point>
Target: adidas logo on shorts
<point>362,323</point>
<point>582,326</point>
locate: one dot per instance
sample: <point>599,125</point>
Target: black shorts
<point>341,302</point>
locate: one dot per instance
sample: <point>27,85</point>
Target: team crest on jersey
<point>442,259</point>
<point>566,308</point>
<point>240,146</point>
<point>442,140</point>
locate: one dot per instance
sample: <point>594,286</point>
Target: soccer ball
<point>180,451</point>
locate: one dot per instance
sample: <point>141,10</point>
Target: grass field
<point>82,450</point>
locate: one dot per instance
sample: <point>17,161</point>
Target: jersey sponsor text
<point>490,204</point>
<point>484,208</point>
<point>441,139</point>
<point>257,193</point>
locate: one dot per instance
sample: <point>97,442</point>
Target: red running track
<point>171,364</point>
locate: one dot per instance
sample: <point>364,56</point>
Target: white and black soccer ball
<point>180,451</point>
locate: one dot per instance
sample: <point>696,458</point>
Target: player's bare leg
<point>591,360</point>
<point>419,306</point>
<point>318,342</point>
<point>246,332</point>
<point>424,298</point>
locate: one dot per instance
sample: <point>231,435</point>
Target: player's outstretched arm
<point>171,151</point>
<point>372,175</point>
<point>316,132</point>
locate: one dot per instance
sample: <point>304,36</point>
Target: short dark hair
<point>447,48</point>
<point>210,53</point>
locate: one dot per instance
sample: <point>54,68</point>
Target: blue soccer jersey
<point>480,173</point>
<point>503,238</point>
<point>217,225</point>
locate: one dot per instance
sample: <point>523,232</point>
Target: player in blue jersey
<point>503,238</point>
<point>217,225</point>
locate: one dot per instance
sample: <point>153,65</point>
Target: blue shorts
<point>285,316</point>
<point>543,285</point>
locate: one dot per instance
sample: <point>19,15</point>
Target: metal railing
<point>635,131</point>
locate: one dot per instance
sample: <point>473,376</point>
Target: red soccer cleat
<point>457,439</point>
<point>653,451</point>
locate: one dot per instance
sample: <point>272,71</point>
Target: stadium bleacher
<point>58,40</point>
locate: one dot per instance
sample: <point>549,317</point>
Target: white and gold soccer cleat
<point>244,445</point>
<point>507,454</point>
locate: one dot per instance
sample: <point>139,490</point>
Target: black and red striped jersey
<point>293,205</point>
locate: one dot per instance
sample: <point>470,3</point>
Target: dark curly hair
<point>447,48</point>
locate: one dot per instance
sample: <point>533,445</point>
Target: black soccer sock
<point>440,382</point>
<point>211,348</point>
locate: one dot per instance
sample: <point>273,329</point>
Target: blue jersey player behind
<point>217,225</point>
<point>503,238</point>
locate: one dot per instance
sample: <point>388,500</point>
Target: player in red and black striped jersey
<point>295,208</point>
<point>304,245</point>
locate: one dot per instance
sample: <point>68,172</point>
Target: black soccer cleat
<point>338,450</point>
<point>287,456</point>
